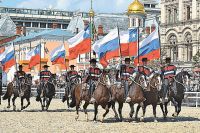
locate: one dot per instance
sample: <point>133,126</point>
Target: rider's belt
<point>45,76</point>
<point>125,74</point>
<point>95,75</point>
<point>169,72</point>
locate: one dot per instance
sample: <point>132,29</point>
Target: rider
<point>44,77</point>
<point>124,72</point>
<point>19,77</point>
<point>168,73</point>
<point>145,70</point>
<point>71,77</point>
<point>92,75</point>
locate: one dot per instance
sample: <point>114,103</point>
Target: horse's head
<point>156,82</point>
<point>28,78</point>
<point>186,77</point>
<point>140,79</point>
<point>104,78</point>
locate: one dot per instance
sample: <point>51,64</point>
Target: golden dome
<point>136,7</point>
<point>91,13</point>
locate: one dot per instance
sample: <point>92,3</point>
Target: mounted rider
<point>19,78</point>
<point>44,77</point>
<point>168,72</point>
<point>145,69</point>
<point>92,75</point>
<point>71,77</point>
<point>123,75</point>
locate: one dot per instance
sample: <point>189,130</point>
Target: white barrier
<point>192,98</point>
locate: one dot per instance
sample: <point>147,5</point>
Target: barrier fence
<point>191,99</point>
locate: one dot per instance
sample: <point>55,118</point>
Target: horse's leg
<point>85,110</point>
<point>13,100</point>
<point>95,112</point>
<point>8,103</point>
<point>114,110</point>
<point>104,115</point>
<point>67,102</point>
<point>162,108</point>
<point>179,107</point>
<point>166,110</point>
<point>132,110</point>
<point>175,114</point>
<point>77,110</point>
<point>41,104</point>
<point>154,112</point>
<point>22,103</point>
<point>120,111</point>
<point>28,103</point>
<point>144,111</point>
<point>136,113</point>
<point>48,103</point>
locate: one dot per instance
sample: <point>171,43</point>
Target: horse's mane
<point>137,76</point>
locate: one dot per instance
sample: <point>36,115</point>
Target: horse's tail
<point>8,91</point>
<point>73,102</point>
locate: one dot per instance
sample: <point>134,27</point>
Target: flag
<point>58,55</point>
<point>108,47</point>
<point>7,58</point>
<point>2,49</point>
<point>80,44</point>
<point>34,56</point>
<point>150,47</point>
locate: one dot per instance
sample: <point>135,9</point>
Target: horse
<point>180,80</point>
<point>8,94</point>
<point>136,92</point>
<point>47,92</point>
<point>151,95</point>
<point>80,93</point>
<point>24,93</point>
<point>117,93</point>
<point>69,87</point>
<point>102,96</point>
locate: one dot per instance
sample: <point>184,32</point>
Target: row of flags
<point>114,44</point>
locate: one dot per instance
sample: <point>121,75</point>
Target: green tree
<point>196,59</point>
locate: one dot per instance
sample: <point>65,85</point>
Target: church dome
<point>136,7</point>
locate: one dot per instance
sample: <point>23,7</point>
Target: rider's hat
<point>20,66</point>
<point>168,59</point>
<point>144,59</point>
<point>127,59</point>
<point>93,61</point>
<point>72,66</point>
<point>45,66</point>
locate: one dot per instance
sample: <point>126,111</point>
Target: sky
<point>103,6</point>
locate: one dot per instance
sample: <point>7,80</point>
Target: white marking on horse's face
<point>160,83</point>
<point>144,81</point>
<point>186,80</point>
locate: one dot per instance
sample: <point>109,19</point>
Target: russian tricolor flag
<point>80,44</point>
<point>109,47</point>
<point>34,56</point>
<point>7,58</point>
<point>58,55</point>
<point>150,47</point>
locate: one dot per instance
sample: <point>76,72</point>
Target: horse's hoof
<point>76,118</point>
<point>142,119</point>
<point>8,107</point>
<point>175,114</point>
<point>14,108</point>
<point>102,119</point>
<point>95,121</point>
<point>155,120</point>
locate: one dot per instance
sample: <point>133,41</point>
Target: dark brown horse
<point>117,93</point>
<point>176,92</point>
<point>152,96</point>
<point>24,94</point>
<point>101,96</point>
<point>136,92</point>
<point>79,94</point>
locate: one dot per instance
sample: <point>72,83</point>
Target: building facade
<point>180,30</point>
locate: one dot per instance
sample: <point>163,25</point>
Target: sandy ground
<point>60,120</point>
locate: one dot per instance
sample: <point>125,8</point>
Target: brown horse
<point>136,92</point>
<point>151,95</point>
<point>79,94</point>
<point>117,93</point>
<point>101,96</point>
<point>25,93</point>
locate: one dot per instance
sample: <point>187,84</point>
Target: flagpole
<point>159,39</point>
<point>40,57</point>
<point>120,51</point>
<point>14,55</point>
<point>138,43</point>
<point>65,54</point>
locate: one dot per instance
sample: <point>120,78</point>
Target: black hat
<point>93,61</point>
<point>72,66</point>
<point>45,66</point>
<point>20,66</point>
<point>127,59</point>
<point>144,59</point>
<point>168,59</point>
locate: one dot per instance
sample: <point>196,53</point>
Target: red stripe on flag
<point>9,64</point>
<point>34,60</point>
<point>81,48</point>
<point>59,61</point>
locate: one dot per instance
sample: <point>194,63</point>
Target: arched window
<point>173,47</point>
<point>188,41</point>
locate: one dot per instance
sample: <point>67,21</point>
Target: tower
<point>136,14</point>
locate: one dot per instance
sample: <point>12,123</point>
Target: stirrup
<point>128,99</point>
